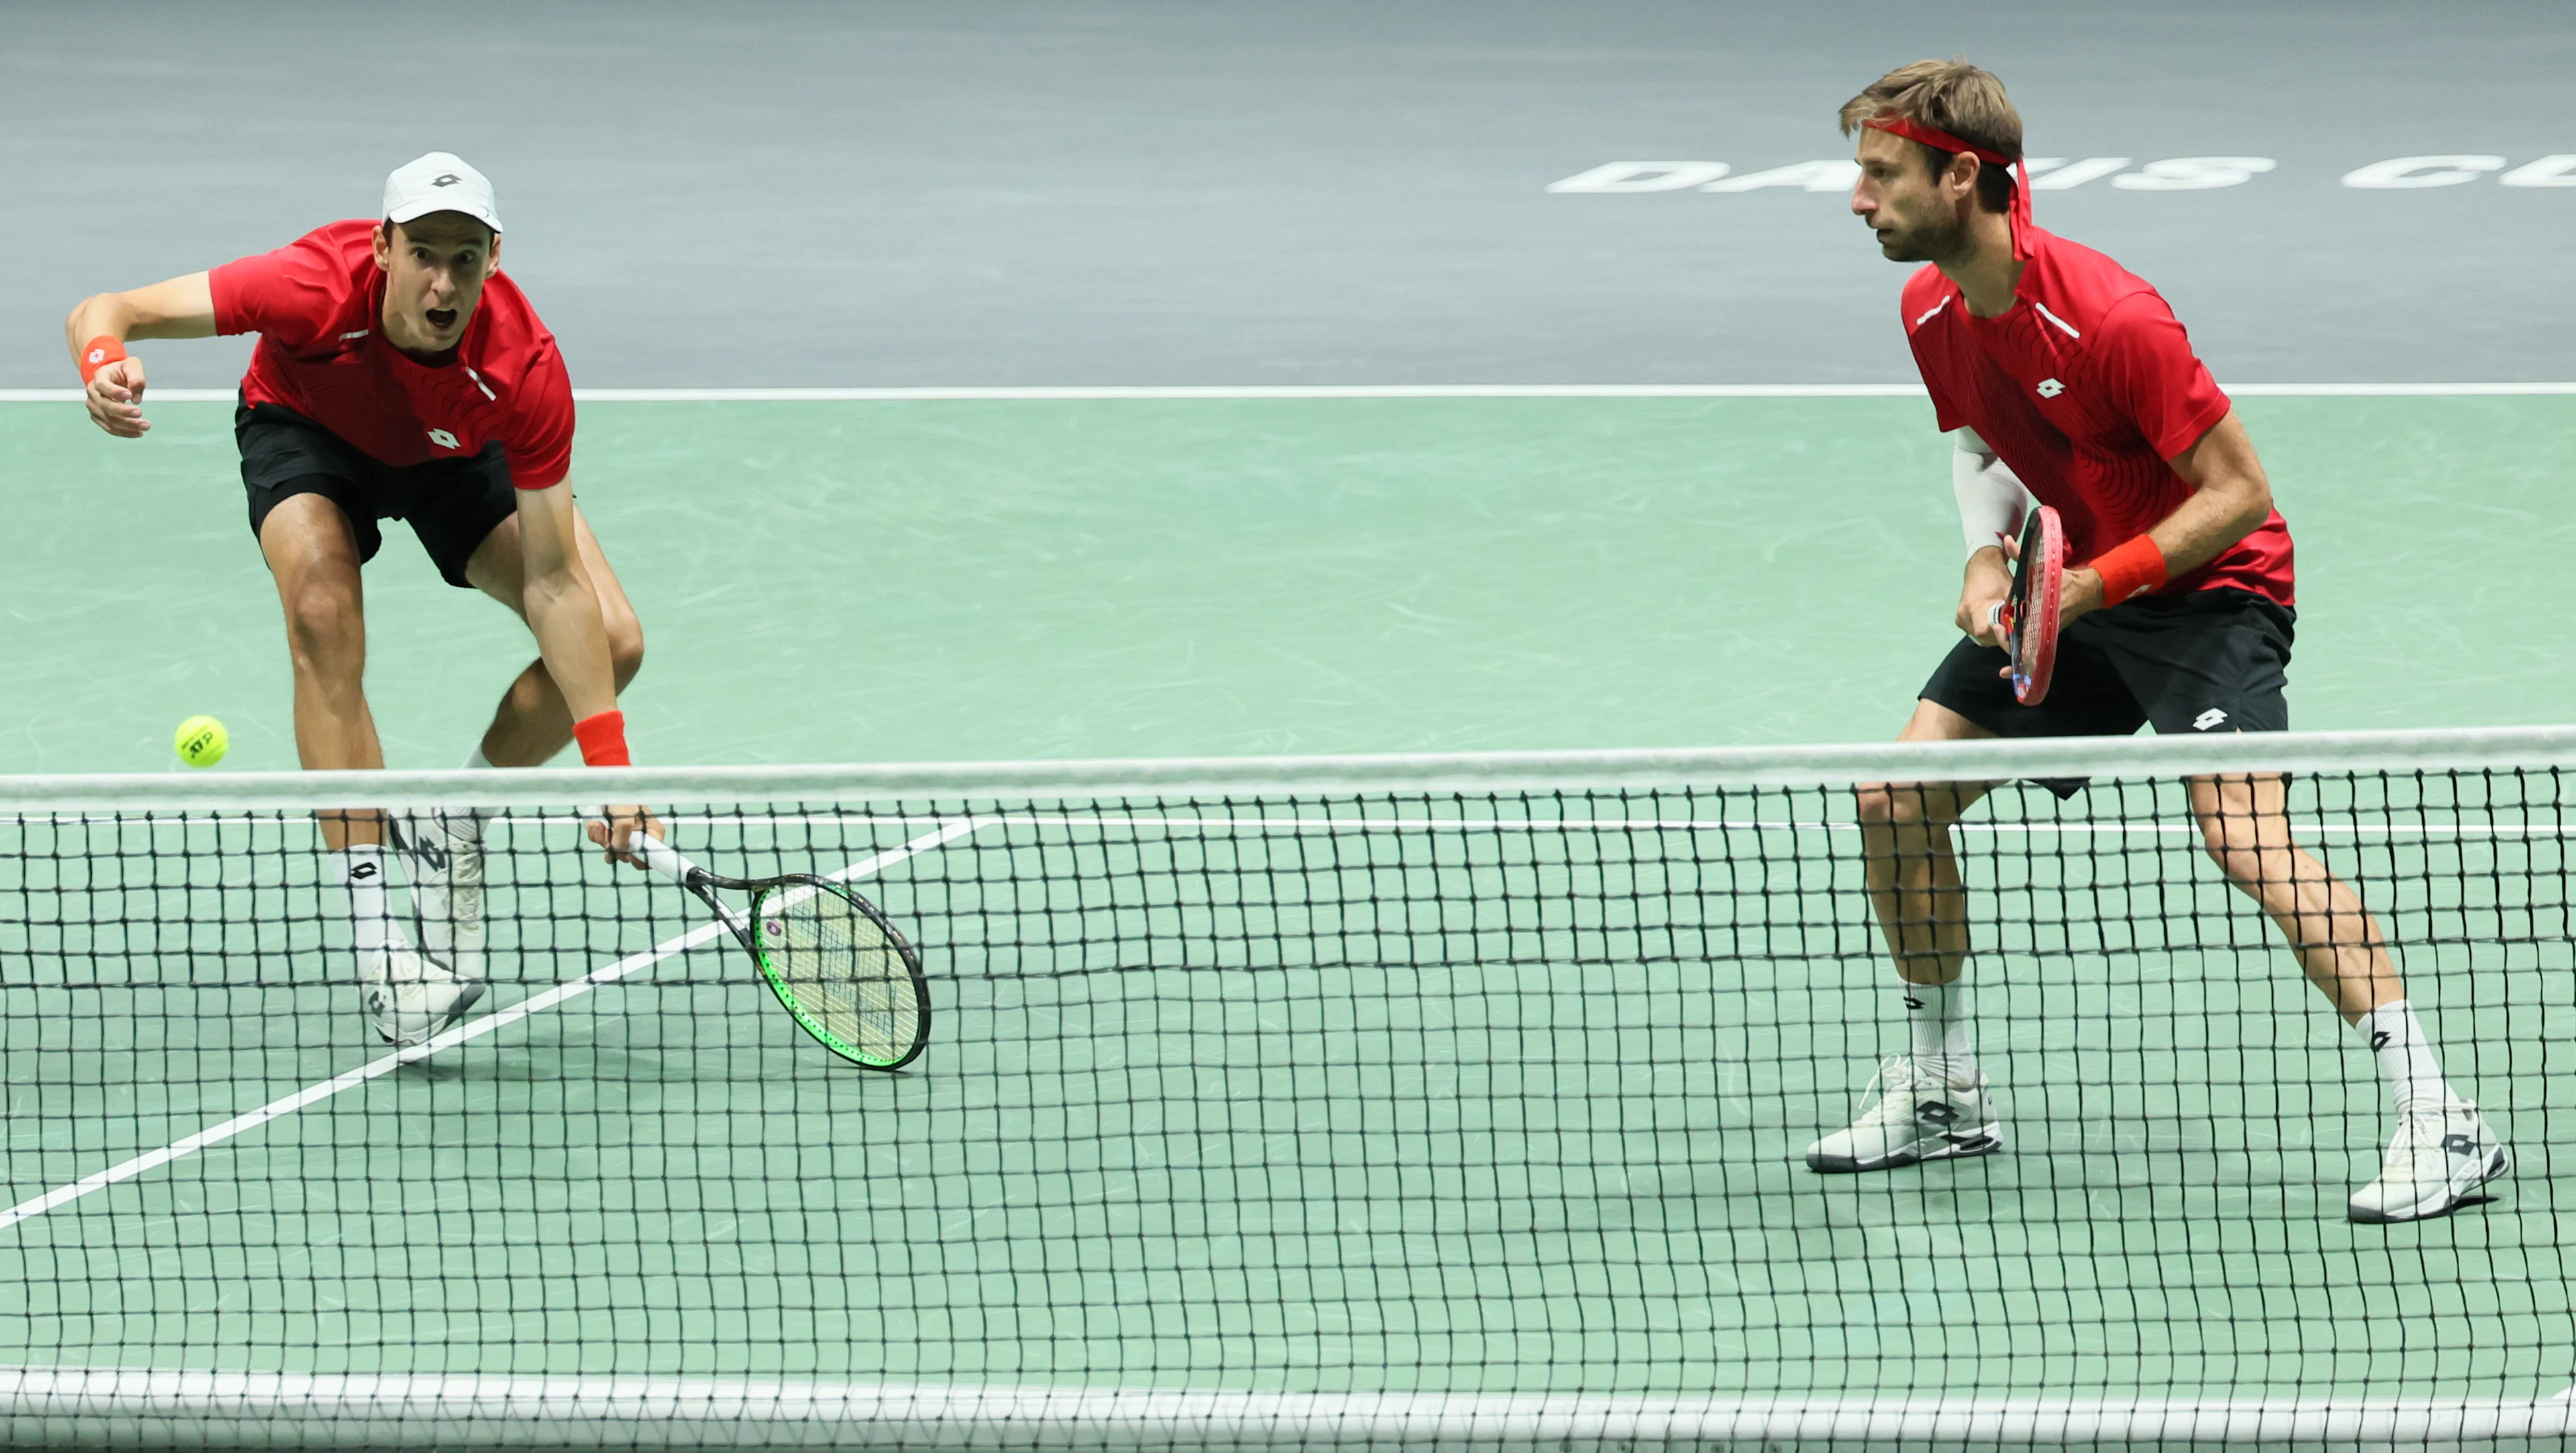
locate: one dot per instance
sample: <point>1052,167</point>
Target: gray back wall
<point>1292,191</point>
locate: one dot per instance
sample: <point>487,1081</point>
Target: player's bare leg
<point>444,850</point>
<point>2443,1149</point>
<point>313,555</point>
<point>1912,873</point>
<point>532,723</point>
<point>2245,825</point>
<point>1930,1102</point>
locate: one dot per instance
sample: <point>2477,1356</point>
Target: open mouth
<point>442,319</point>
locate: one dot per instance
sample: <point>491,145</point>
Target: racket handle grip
<point>661,857</point>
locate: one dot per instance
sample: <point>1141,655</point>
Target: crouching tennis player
<point>401,375</point>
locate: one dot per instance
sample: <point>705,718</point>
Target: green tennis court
<point>826,582</point>
<point>1353,1093</point>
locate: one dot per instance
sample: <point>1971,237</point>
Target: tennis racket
<point>2029,614</point>
<point>844,972</point>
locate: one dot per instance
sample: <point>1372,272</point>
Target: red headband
<point>1913,130</point>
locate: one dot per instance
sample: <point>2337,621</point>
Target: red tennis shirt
<point>318,306</point>
<point>2086,386</point>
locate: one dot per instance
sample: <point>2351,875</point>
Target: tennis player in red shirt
<point>2061,375</point>
<point>401,375</point>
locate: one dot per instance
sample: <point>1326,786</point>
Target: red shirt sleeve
<point>539,442</point>
<point>2148,371</point>
<point>292,295</point>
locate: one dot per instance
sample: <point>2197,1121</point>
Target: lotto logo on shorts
<point>2050,388</point>
<point>2208,719</point>
<point>443,439</point>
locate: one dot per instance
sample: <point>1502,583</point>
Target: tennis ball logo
<point>202,741</point>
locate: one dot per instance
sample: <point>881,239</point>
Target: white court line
<point>1086,393</point>
<point>472,1029</point>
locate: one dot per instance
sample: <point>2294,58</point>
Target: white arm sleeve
<point>1992,501</point>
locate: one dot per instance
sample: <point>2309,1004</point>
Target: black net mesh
<point>1275,1117</point>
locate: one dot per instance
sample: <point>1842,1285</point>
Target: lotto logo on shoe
<point>443,439</point>
<point>2208,719</point>
<point>2050,388</point>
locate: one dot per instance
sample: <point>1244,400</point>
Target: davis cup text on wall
<point>2060,174</point>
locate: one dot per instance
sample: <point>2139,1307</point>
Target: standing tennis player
<point>2055,369</point>
<point>400,375</point>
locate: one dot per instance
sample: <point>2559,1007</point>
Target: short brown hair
<point>1955,97</point>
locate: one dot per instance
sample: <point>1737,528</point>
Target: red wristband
<point>603,740</point>
<point>2132,567</point>
<point>98,353</point>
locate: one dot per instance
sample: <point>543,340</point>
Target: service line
<point>1110,393</point>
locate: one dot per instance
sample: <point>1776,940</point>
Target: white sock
<point>2396,1038</point>
<point>371,923</point>
<point>1937,1017</point>
<point>468,822</point>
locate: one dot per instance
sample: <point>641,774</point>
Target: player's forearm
<point>2230,499</point>
<point>2204,526</point>
<point>572,639</point>
<point>183,307</point>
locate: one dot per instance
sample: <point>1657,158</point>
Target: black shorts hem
<point>2213,660</point>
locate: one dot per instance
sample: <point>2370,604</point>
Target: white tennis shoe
<point>2435,1160</point>
<point>1919,1116</point>
<point>443,862</point>
<point>409,995</point>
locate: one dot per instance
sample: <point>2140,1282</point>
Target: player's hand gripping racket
<point>2029,614</point>
<point>844,973</point>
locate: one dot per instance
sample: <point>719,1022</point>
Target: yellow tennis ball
<point>202,741</point>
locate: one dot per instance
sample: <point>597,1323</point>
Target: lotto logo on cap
<point>439,182</point>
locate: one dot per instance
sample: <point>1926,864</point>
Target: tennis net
<point>1444,1100</point>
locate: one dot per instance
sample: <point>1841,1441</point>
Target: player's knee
<point>625,646</point>
<point>1894,804</point>
<point>326,630</point>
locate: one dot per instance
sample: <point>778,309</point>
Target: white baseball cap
<point>439,182</point>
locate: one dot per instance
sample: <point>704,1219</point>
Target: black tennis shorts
<point>2211,661</point>
<point>451,504</point>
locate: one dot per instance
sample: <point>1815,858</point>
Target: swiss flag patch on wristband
<point>98,353</point>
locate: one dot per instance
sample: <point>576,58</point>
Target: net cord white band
<point>2477,749</point>
<point>200,1408</point>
